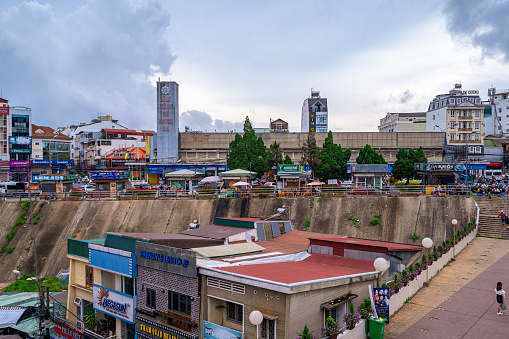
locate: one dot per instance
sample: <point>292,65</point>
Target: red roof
<point>127,132</point>
<point>248,219</point>
<point>47,132</point>
<point>390,246</point>
<point>315,267</point>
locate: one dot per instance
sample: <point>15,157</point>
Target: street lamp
<point>444,143</point>
<point>427,243</point>
<point>454,223</point>
<point>256,318</point>
<point>381,265</point>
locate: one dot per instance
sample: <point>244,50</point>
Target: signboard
<point>312,121</point>
<point>51,162</point>
<point>165,258</point>
<point>381,297</point>
<point>150,329</point>
<point>213,331</point>
<point>49,177</point>
<point>4,110</point>
<point>290,168</point>
<point>349,169</point>
<point>65,332</point>
<point>21,141</point>
<point>117,305</point>
<point>109,175</point>
<point>147,146</point>
<point>440,167</point>
<point>18,163</point>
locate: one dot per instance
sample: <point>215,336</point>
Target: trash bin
<point>376,328</point>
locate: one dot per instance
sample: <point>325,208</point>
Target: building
<point>20,143</point>
<point>51,151</point>
<point>499,122</point>
<point>403,122</point>
<point>315,116</point>
<point>460,114</point>
<point>167,143</point>
<point>4,141</point>
<point>278,126</point>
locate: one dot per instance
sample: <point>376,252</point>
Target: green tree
<point>334,160</point>
<point>247,152</point>
<point>403,167</point>
<point>311,153</point>
<point>367,155</point>
<point>274,155</point>
<point>288,160</point>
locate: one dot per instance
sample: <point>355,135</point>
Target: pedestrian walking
<point>500,293</point>
<point>502,217</point>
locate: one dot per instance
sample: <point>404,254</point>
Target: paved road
<point>460,301</point>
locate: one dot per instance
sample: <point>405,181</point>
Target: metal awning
<point>9,315</point>
<point>335,302</point>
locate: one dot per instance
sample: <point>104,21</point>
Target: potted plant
<point>330,330</point>
<point>305,334</point>
<point>365,308</point>
<point>351,318</point>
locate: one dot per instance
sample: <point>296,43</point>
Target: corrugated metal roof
<point>216,231</point>
<point>19,299</point>
<point>9,315</point>
<point>174,240</point>
<point>222,251</point>
<point>390,246</point>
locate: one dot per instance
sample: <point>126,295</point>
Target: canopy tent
<point>210,179</point>
<point>184,173</point>
<point>237,173</point>
<point>240,183</point>
<point>315,183</point>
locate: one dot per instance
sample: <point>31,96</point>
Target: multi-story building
<point>4,141</point>
<point>460,114</point>
<point>315,116</point>
<point>51,150</point>
<point>20,143</point>
<point>403,122</point>
<point>166,146</point>
<point>499,102</point>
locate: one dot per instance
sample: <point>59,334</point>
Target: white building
<point>499,120</point>
<point>460,114</point>
<point>403,122</point>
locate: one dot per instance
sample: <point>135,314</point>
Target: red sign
<point>63,331</point>
<point>4,110</point>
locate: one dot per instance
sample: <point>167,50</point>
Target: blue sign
<point>390,168</point>
<point>48,177</point>
<point>40,162</point>
<point>21,141</point>
<point>164,258</point>
<point>349,169</point>
<point>109,175</point>
<point>381,297</point>
<point>52,162</point>
<point>213,331</point>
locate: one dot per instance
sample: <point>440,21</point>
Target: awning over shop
<point>335,302</point>
<point>9,315</point>
<point>237,173</point>
<point>184,173</point>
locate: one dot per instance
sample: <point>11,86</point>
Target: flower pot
<point>333,336</point>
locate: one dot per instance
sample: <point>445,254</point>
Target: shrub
<point>365,308</point>
<point>10,249</point>
<point>330,328</point>
<point>375,220</point>
<point>307,224</point>
<point>351,318</point>
<point>411,268</point>
<point>305,333</point>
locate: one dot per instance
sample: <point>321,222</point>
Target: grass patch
<point>20,221</point>
<point>24,285</point>
<point>376,220</point>
<point>354,220</point>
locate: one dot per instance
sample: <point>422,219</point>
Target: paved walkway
<point>460,301</point>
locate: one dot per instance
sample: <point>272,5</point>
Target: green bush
<point>10,249</point>
<point>307,224</point>
<point>9,236</point>
<point>24,285</point>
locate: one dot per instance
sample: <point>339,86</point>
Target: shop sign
<point>290,168</point>
<point>4,110</point>
<point>48,177</point>
<point>115,304</point>
<point>64,332</point>
<point>439,167</point>
<point>165,258</point>
<point>212,331</point>
<point>109,175</point>
<point>149,329</point>
<point>18,163</point>
<point>20,141</point>
<point>349,169</point>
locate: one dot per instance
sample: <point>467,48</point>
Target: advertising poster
<point>213,331</point>
<point>381,297</point>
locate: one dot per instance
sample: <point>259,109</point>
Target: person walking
<point>500,293</point>
<point>502,217</point>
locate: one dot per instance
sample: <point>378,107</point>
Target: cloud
<point>202,121</point>
<point>99,58</point>
<point>484,22</point>
<point>406,96</point>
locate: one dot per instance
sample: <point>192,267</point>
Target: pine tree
<point>311,153</point>
<point>274,155</point>
<point>288,160</point>
<point>367,155</point>
<point>334,160</point>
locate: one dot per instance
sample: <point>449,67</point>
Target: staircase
<point>490,225</point>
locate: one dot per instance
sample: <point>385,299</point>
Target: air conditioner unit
<point>77,301</point>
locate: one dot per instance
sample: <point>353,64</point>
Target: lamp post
<point>381,265</point>
<point>256,318</point>
<point>454,223</point>
<point>427,243</point>
<point>444,143</point>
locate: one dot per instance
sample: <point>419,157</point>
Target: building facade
<point>315,114</point>
<point>499,122</point>
<point>167,123</point>
<point>403,122</point>
<point>4,130</point>
<point>51,151</point>
<point>20,143</point>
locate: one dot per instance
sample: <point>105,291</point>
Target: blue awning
<point>9,315</point>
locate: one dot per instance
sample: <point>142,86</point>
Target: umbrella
<point>240,183</point>
<point>210,179</point>
<point>315,183</point>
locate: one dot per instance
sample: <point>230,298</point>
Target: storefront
<point>110,181</point>
<point>54,183</point>
<point>293,176</point>
<point>169,297</point>
<point>369,175</point>
<point>439,173</point>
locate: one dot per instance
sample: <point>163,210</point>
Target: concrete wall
<point>92,219</point>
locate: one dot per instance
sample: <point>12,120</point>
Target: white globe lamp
<point>381,265</point>
<point>256,318</point>
<point>427,243</point>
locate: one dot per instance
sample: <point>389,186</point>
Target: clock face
<point>165,90</point>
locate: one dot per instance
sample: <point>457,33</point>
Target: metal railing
<point>256,192</point>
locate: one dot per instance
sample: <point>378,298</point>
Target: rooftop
<point>390,246</point>
<point>215,231</point>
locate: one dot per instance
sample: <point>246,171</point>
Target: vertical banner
<point>381,296</point>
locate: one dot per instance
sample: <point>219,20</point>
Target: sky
<point>71,61</point>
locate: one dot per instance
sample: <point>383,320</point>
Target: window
<point>452,114</point>
<point>321,119</point>
<point>180,303</point>
<point>469,125</point>
<point>151,298</point>
<point>476,125</point>
<point>267,329</point>
<point>321,129</point>
<point>477,137</point>
<point>500,110</point>
<point>452,137</point>
<point>127,285</point>
<point>478,149</point>
<point>452,125</point>
<point>433,116</point>
<point>234,312</point>
<point>477,113</point>
<point>452,101</point>
<point>89,272</point>
<point>226,285</point>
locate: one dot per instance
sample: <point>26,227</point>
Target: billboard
<point>120,306</point>
<point>165,258</point>
<point>109,175</point>
<point>20,144</point>
<point>4,110</point>
<point>381,298</point>
<point>290,168</point>
<point>65,332</point>
<point>213,331</point>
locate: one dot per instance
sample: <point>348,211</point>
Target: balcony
<point>465,117</point>
<point>465,129</point>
